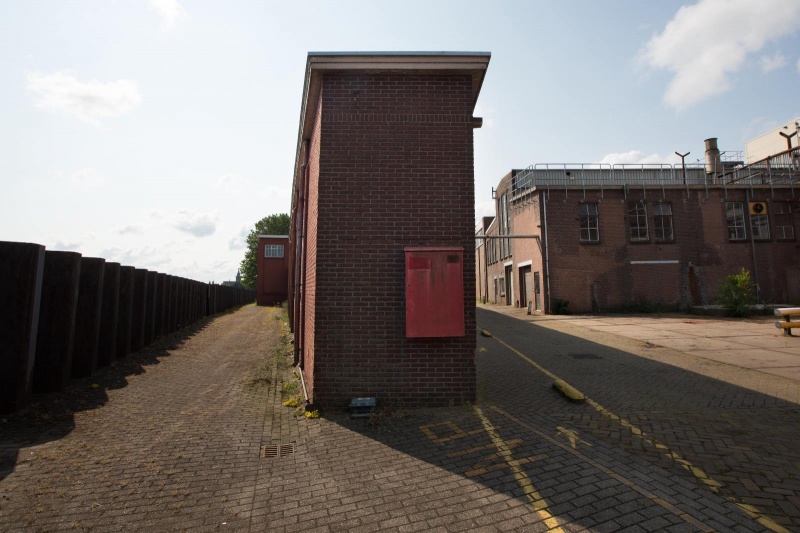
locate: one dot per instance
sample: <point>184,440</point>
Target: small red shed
<point>272,286</point>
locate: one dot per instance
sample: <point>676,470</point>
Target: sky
<point>156,133</point>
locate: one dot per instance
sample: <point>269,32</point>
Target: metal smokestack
<point>713,161</point>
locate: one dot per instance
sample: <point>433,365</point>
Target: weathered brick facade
<point>390,165</point>
<point>617,272</point>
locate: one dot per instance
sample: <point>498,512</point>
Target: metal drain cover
<point>584,356</point>
<point>275,451</point>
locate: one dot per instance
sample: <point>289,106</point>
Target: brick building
<point>384,183</point>
<point>607,238</point>
<point>272,285</point>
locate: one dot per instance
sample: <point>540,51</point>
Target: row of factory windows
<point>662,227</point>
<point>660,223</point>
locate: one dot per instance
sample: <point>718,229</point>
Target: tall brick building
<point>383,193</point>
<point>606,238</point>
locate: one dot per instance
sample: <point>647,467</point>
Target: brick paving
<point>170,441</point>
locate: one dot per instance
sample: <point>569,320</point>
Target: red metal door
<point>434,292</point>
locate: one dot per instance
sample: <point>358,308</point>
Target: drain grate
<point>275,451</point>
<point>584,356</point>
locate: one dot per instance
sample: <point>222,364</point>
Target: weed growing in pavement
<point>737,293</point>
<point>290,387</point>
<point>259,374</point>
<point>292,402</point>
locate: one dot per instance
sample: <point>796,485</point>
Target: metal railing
<point>779,169</point>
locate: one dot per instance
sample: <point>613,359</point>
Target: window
<point>662,221</point>
<point>273,250</point>
<point>759,221</point>
<point>590,229</point>
<point>505,227</point>
<point>637,221</point>
<point>782,216</point>
<point>735,214</point>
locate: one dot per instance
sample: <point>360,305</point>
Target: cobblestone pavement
<point>171,440</point>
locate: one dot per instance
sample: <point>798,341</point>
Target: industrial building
<point>382,228</point>
<point>598,238</point>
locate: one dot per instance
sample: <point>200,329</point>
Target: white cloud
<point>62,246</point>
<point>169,10</point>
<point>131,229</point>
<point>89,101</point>
<point>229,179</point>
<point>484,209</point>
<point>147,257</point>
<point>197,224</point>
<point>239,241</point>
<point>87,177</point>
<point>768,64</point>
<point>706,42</point>
<point>635,157</point>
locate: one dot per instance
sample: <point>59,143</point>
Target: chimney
<point>713,161</point>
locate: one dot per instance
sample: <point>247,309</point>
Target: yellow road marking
<point>698,473</point>
<point>456,432</point>
<point>572,435</point>
<point>610,473</point>
<point>536,500</point>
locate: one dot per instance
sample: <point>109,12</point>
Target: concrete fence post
<point>150,307</point>
<point>53,365</point>
<point>139,308</point>
<point>21,272</point>
<point>161,309</point>
<point>87,317</point>
<point>126,275</point>
<point>107,340</point>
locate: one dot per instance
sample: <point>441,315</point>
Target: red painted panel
<point>434,291</point>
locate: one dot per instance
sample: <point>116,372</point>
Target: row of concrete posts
<point>64,315</point>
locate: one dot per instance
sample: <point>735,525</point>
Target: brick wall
<point>310,306</point>
<point>395,170</point>
<point>602,277</point>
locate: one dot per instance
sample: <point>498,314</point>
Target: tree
<point>271,225</point>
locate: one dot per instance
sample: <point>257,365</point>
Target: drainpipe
<point>304,263</point>
<point>752,245</point>
<point>486,266</point>
<point>546,250</point>
<point>299,253</point>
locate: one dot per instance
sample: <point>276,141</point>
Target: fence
<point>63,315</point>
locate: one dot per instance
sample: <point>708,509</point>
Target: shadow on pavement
<point>658,446</point>
<point>49,417</point>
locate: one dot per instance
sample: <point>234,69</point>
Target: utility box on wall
<point>434,291</point>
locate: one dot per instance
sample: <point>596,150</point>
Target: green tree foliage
<point>737,293</point>
<point>271,225</point>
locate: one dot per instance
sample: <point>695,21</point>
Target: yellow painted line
<point>698,473</point>
<point>573,449</point>
<point>536,500</point>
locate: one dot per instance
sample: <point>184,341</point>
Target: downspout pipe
<point>752,245</point>
<point>303,265</point>
<point>299,253</point>
<point>546,250</point>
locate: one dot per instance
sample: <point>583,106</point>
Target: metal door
<point>527,288</point>
<point>509,295</point>
<point>537,291</point>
